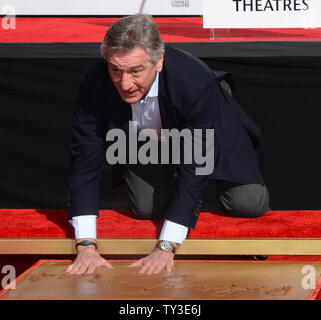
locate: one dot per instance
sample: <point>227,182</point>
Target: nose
<point>126,81</point>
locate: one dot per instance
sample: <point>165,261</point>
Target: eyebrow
<point>136,66</point>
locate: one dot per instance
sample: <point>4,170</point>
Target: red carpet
<point>122,224</point>
<point>173,29</point>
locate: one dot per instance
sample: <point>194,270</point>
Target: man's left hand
<point>156,262</point>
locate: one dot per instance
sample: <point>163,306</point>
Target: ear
<point>159,63</point>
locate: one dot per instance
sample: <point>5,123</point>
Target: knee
<point>253,205</point>
<point>142,210</point>
<point>248,210</point>
<point>146,211</point>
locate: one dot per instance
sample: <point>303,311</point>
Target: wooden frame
<point>216,246</point>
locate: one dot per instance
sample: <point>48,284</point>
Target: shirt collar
<point>153,91</point>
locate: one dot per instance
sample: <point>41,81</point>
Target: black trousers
<point>150,188</point>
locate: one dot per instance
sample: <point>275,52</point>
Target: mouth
<point>129,94</point>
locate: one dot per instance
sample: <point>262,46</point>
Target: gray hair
<point>138,30</point>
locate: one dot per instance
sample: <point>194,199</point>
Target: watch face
<point>166,246</point>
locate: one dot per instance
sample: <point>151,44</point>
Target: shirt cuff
<point>85,226</point>
<point>173,231</point>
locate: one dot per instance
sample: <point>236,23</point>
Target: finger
<point>144,267</point>
<point>70,267</point>
<point>137,263</point>
<point>82,268</point>
<point>107,265</point>
<point>75,267</point>
<point>148,267</point>
<point>159,268</point>
<point>169,268</point>
<point>91,268</point>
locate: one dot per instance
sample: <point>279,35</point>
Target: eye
<point>136,73</point>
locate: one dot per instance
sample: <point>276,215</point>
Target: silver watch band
<point>166,246</point>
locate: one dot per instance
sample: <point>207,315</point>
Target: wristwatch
<point>165,245</point>
<point>86,243</point>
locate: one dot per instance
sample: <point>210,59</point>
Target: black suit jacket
<point>189,97</point>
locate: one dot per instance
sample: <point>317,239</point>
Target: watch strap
<point>86,243</point>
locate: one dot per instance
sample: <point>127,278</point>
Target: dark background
<point>39,86</point>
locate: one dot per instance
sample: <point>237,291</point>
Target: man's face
<point>132,73</point>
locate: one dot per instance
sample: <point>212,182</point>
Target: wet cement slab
<point>191,280</point>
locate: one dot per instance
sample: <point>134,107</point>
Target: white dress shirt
<point>147,116</point>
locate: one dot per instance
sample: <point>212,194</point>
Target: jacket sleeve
<point>87,152</point>
<point>186,199</point>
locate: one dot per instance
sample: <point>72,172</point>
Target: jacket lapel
<point>166,109</point>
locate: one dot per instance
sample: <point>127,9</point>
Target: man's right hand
<point>87,260</point>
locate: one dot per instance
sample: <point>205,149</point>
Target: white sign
<point>104,7</point>
<point>261,13</point>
